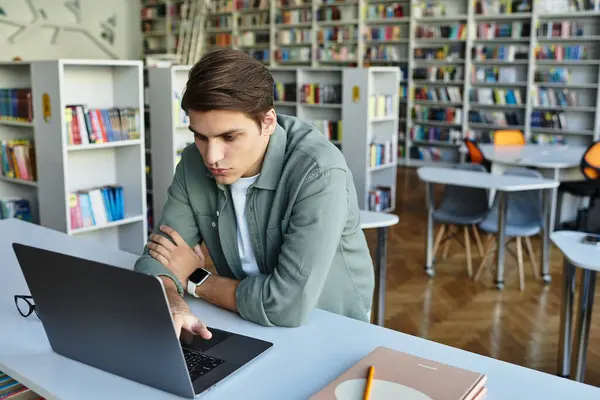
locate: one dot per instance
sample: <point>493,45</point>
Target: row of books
<point>553,75</point>
<point>447,94</point>
<point>337,52</point>
<point>381,153</point>
<point>501,7</point>
<point>294,16</point>
<point>294,36</point>
<point>261,55</point>
<point>335,13</point>
<point>321,93</point>
<point>439,53</point>
<point>422,113</point>
<point>254,38</point>
<point>495,118</point>
<point>18,159</point>
<point>101,125</point>
<point>549,119</point>
<point>381,105</point>
<point>551,97</point>
<point>435,134</point>
<point>337,34</point>
<point>380,198</point>
<point>500,96</point>
<point>96,206</point>
<point>15,207</point>
<point>16,105</point>
<point>494,75</point>
<point>498,30</point>
<point>219,39</point>
<point>293,54</point>
<point>331,129</point>
<point>254,19</point>
<point>382,52</point>
<point>284,91</point>
<point>560,52</point>
<point>560,29</point>
<point>446,73</point>
<point>389,32</point>
<point>384,11</point>
<point>509,52</point>
<point>456,31</point>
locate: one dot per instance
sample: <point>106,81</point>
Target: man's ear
<point>269,122</point>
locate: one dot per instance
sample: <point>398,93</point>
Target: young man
<point>272,199</point>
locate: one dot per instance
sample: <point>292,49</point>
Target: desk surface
<point>301,362</point>
<point>373,219</point>
<point>580,255</point>
<point>535,155</point>
<point>484,180</point>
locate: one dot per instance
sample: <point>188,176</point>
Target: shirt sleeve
<point>287,296</point>
<point>179,215</point>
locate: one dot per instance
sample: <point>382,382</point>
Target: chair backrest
<point>475,153</point>
<point>590,162</point>
<point>465,200</point>
<point>526,206</point>
<point>508,137</point>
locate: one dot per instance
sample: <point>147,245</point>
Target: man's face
<point>231,144</point>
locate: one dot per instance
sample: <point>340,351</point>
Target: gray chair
<point>461,209</point>
<point>524,219</point>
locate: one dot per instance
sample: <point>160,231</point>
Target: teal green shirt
<point>304,224</point>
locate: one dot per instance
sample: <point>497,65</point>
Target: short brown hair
<point>228,79</point>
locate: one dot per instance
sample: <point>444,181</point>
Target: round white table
<point>586,257</point>
<point>380,221</point>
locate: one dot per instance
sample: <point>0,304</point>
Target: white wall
<point>49,29</point>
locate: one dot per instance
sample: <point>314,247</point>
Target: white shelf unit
<point>15,126</point>
<point>65,169</point>
<point>160,23</point>
<point>169,128</point>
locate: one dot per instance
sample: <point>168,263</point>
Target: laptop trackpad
<point>199,344</point>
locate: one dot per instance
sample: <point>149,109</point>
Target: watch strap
<point>191,288</point>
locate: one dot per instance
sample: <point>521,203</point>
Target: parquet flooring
<point>509,325</point>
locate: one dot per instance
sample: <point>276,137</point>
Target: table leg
<point>502,206</point>
<point>554,221</point>
<point>566,319</point>
<point>545,242</point>
<point>582,332</point>
<point>429,238</point>
<point>380,276</point>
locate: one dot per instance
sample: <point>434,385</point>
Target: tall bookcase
<point>356,108</point>
<point>160,24</point>
<point>89,156</point>
<point>467,67</point>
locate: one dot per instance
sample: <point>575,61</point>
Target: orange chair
<point>476,155</point>
<point>509,137</point>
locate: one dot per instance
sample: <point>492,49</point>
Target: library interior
<point>458,261</point>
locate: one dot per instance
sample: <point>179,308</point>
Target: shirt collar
<point>272,166</point>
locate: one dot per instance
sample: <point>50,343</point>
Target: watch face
<point>198,275</point>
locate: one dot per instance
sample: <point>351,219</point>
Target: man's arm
<point>287,296</point>
<point>177,214</point>
<point>219,291</point>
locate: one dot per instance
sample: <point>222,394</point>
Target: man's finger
<point>157,248</point>
<point>194,325</point>
<point>198,251</point>
<point>178,321</point>
<point>163,241</point>
<point>173,234</point>
<point>158,257</point>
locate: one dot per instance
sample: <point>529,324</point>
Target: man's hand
<point>182,315</point>
<point>177,256</point>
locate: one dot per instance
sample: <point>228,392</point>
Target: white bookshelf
<point>169,128</point>
<point>379,39</point>
<point>65,168</point>
<point>15,126</point>
<point>169,132</point>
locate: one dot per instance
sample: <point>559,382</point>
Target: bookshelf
<point>18,173</point>
<point>91,172</point>
<point>343,101</point>
<point>467,67</point>
<point>160,25</point>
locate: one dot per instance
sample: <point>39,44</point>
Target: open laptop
<point>118,320</point>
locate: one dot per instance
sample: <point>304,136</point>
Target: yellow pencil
<point>367,394</point>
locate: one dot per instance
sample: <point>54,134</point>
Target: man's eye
<point>229,138</point>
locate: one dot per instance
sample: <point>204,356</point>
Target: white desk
<point>587,258</point>
<point>558,162</point>
<point>380,221</point>
<point>302,361</point>
<point>500,183</point>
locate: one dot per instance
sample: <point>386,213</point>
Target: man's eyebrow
<point>227,132</point>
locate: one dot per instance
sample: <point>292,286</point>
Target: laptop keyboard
<point>199,364</point>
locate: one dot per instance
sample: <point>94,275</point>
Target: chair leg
<point>447,244</point>
<point>520,263</point>
<point>488,252</point>
<point>438,239</point>
<point>478,240</point>
<point>468,251</point>
<point>534,265</point>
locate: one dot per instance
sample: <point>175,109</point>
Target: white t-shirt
<point>238,192</point>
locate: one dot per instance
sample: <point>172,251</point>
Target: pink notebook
<point>403,376</point>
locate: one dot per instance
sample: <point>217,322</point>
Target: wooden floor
<point>509,325</point>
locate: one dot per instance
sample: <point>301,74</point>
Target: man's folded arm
<point>178,214</point>
<point>287,296</point>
